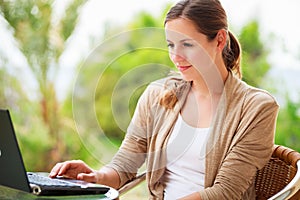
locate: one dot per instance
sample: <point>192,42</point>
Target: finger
<point>65,170</point>
<point>87,177</point>
<point>55,170</point>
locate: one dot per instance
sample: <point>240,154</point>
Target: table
<point>7,193</point>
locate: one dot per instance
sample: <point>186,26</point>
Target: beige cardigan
<point>240,141</point>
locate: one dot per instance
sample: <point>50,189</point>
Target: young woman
<point>203,134</point>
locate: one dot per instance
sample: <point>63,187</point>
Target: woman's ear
<point>221,39</point>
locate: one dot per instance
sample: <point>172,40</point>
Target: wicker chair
<point>278,180</point>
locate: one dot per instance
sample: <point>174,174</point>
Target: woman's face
<point>189,49</point>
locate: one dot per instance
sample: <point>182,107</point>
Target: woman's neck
<point>210,85</point>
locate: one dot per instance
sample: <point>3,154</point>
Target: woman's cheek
<point>199,59</point>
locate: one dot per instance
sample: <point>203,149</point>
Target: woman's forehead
<point>181,28</point>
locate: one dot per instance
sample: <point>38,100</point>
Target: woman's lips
<point>183,68</point>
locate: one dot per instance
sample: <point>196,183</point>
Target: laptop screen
<point>12,173</point>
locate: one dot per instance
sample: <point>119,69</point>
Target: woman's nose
<point>176,57</point>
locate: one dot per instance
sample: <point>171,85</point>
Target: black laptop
<point>14,175</point>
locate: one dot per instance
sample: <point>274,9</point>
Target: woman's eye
<point>170,45</point>
<point>187,44</point>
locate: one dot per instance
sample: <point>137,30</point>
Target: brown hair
<point>209,16</point>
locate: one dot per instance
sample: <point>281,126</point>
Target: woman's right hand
<point>74,169</point>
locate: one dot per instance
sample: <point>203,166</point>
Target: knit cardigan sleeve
<point>133,150</point>
<point>244,146</point>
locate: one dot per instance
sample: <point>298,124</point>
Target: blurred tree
<point>288,125</point>
<point>11,90</point>
<point>144,59</point>
<point>113,77</point>
<point>254,57</point>
<point>255,67</point>
<point>42,42</point>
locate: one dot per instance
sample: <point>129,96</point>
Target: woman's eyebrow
<point>183,40</point>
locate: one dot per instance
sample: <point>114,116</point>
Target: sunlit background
<point>65,82</point>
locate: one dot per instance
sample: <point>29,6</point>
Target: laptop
<point>14,175</point>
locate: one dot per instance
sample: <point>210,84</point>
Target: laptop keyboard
<point>46,181</point>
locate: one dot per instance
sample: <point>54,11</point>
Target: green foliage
<point>12,93</point>
<point>42,44</point>
<point>31,19</point>
<point>127,76</point>
<point>113,77</point>
<point>144,20</point>
<point>68,22</point>
<point>125,65</point>
<point>254,57</point>
<point>288,125</point>
<point>255,67</point>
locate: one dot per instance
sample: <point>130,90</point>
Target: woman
<point>203,134</point>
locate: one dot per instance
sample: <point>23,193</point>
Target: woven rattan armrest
<point>292,158</point>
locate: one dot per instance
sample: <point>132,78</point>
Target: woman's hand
<point>74,169</point>
<point>77,169</point>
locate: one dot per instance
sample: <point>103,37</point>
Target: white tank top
<point>185,168</point>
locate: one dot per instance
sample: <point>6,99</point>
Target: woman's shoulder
<point>259,96</point>
<point>253,95</point>
<point>170,82</point>
<point>157,90</point>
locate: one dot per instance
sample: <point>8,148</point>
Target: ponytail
<point>232,55</point>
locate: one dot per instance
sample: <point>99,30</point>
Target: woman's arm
<point>193,196</point>
<point>108,176</point>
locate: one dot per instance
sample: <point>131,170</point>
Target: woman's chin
<point>186,77</point>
